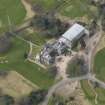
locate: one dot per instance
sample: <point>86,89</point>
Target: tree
<point>3,73</point>
<point>93,27</point>
<point>60,103</point>
<point>37,8</point>
<point>57,100</point>
<point>50,25</point>
<point>53,71</point>
<point>83,44</point>
<point>25,55</point>
<point>7,100</point>
<point>103,23</point>
<point>96,84</point>
<point>77,67</point>
<point>5,43</point>
<point>72,98</point>
<point>34,98</point>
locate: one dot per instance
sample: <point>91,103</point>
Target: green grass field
<point>70,8</point>
<point>101,96</point>
<point>12,9</point>
<point>75,8</point>
<point>15,57</point>
<point>30,71</point>
<point>99,65</point>
<point>51,102</point>
<point>99,69</point>
<point>90,95</point>
<point>46,4</point>
<point>35,38</point>
<point>78,9</point>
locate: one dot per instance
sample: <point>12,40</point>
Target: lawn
<point>99,65</point>
<point>69,8</point>
<point>77,8</point>
<point>73,69</point>
<point>12,9</point>
<point>90,95</point>
<point>99,69</point>
<point>51,101</point>
<point>46,4</point>
<point>35,38</point>
<point>29,70</point>
<point>101,96</point>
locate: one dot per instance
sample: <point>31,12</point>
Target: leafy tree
<point>53,71</point>
<point>25,55</point>
<point>3,73</point>
<point>77,67</point>
<point>49,25</point>
<point>5,43</point>
<point>34,98</point>
<point>83,44</point>
<point>93,27</point>
<point>7,100</point>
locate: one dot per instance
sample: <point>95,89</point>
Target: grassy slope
<point>35,38</point>
<point>16,12</point>
<point>46,4</point>
<point>12,8</point>
<point>31,71</point>
<point>76,8</point>
<point>101,96</point>
<point>99,69</point>
<point>89,94</point>
<point>99,64</point>
<point>72,8</point>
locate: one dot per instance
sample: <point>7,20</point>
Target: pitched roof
<point>73,32</point>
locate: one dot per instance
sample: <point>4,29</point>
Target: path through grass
<point>31,71</point>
